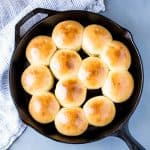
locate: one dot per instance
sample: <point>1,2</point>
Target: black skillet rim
<point>128,36</point>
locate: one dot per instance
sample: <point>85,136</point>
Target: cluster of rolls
<point>57,57</point>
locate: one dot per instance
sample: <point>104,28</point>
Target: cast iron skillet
<point>119,127</point>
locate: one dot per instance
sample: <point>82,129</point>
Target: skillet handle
<point>126,136</point>
<point>27,17</point>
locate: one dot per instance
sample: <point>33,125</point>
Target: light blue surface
<point>135,16</point>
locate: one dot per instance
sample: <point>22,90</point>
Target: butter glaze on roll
<point>43,107</point>
<point>117,56</point>
<point>65,63</point>
<point>71,121</point>
<point>93,72</point>
<point>99,111</point>
<point>95,39</point>
<point>70,92</point>
<point>118,86</point>
<point>68,35</point>
<point>40,49</point>
<point>36,79</point>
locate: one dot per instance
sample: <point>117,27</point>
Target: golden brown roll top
<point>36,79</point>
<point>93,72</point>
<point>70,92</point>
<point>65,63</point>
<point>95,39</point>
<point>118,86</point>
<point>99,111</point>
<point>71,121</point>
<point>43,107</point>
<point>68,35</point>
<point>40,49</point>
<point>117,56</point>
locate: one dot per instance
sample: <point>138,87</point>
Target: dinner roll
<point>65,63</point>
<point>93,72</point>
<point>99,111</point>
<point>40,49</point>
<point>95,39</point>
<point>43,107</point>
<point>118,86</point>
<point>117,56</point>
<point>36,79</point>
<point>71,121</point>
<point>70,92</point>
<point>68,35</point>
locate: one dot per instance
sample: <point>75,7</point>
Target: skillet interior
<point>19,63</point>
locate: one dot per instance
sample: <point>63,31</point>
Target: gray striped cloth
<point>10,13</point>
